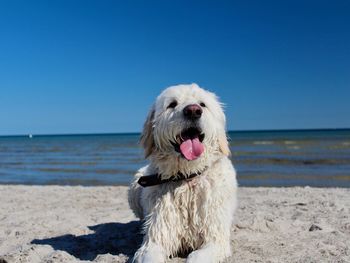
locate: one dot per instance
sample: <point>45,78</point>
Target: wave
<point>292,161</point>
<point>263,142</point>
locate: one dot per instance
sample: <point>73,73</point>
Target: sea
<point>318,158</point>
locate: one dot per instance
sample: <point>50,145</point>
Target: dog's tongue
<point>191,149</point>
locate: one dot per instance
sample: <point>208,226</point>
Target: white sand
<point>73,224</point>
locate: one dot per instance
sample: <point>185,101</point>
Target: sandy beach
<point>76,224</point>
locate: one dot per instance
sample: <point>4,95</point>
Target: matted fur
<point>194,215</point>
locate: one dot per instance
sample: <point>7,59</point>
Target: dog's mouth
<point>189,143</point>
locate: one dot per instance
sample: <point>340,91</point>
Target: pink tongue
<point>192,149</point>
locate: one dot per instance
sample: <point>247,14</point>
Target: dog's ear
<point>147,140</point>
<point>224,144</point>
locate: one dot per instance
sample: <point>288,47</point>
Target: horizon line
<point>136,133</point>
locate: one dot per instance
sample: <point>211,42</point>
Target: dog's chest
<point>191,199</point>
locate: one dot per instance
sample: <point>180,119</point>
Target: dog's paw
<point>199,256</point>
<point>151,258</point>
<point>150,254</point>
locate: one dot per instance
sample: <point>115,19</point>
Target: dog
<point>186,196</point>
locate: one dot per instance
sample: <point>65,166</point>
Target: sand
<point>75,224</point>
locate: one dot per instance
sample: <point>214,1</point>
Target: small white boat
<point>30,136</point>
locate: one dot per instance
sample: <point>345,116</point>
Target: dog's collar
<point>155,179</point>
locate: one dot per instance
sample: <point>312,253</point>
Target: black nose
<point>192,112</point>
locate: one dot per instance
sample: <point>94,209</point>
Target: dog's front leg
<point>149,253</point>
<point>155,241</point>
<point>216,245</point>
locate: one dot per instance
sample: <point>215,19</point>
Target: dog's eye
<point>172,104</point>
<point>202,104</point>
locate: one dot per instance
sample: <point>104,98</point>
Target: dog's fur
<point>190,215</point>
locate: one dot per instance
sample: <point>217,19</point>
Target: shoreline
<point>127,185</point>
<point>46,223</point>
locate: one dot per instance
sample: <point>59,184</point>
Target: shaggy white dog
<point>187,194</point>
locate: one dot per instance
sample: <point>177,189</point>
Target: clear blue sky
<point>96,66</point>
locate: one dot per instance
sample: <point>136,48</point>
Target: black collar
<point>155,179</point>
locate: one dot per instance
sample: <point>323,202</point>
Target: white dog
<point>187,194</point>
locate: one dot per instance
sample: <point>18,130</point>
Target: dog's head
<point>186,121</point>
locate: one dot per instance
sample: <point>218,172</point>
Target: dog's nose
<point>192,112</point>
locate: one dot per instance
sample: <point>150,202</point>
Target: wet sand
<point>74,224</point>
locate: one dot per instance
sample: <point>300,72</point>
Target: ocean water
<point>263,158</point>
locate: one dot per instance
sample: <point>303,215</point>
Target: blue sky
<point>96,66</point>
